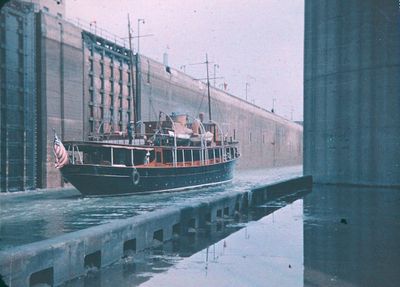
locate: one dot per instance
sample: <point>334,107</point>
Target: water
<point>333,236</point>
<point>351,236</point>
<point>268,252</point>
<point>238,252</point>
<point>32,216</point>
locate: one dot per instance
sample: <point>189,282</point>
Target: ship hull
<point>98,180</point>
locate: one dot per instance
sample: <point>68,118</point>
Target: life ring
<point>135,177</point>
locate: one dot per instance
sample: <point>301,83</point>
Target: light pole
<point>249,78</point>
<point>132,78</point>
<point>247,85</point>
<point>215,73</point>
<point>138,32</point>
<point>94,23</point>
<point>208,90</point>
<point>273,105</point>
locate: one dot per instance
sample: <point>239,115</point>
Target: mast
<point>132,79</point>
<point>208,91</point>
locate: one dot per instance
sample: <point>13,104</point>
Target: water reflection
<point>335,236</point>
<point>263,245</point>
<point>352,236</point>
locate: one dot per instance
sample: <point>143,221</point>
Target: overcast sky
<point>259,42</point>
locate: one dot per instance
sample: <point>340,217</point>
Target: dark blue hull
<point>95,180</point>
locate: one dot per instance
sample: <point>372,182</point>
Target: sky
<point>258,42</point>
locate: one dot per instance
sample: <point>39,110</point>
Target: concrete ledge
<point>60,259</point>
<point>280,189</point>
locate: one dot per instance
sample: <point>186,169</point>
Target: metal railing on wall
<point>93,28</point>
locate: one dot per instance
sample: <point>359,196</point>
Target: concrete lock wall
<point>266,140</point>
<point>60,89</point>
<point>57,260</point>
<point>352,92</point>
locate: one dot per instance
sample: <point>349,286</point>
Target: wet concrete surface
<point>27,217</point>
<point>333,236</point>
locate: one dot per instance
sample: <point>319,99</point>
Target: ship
<point>177,152</point>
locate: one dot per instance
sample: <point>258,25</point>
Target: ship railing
<point>93,28</point>
<point>203,143</point>
<point>221,134</point>
<point>175,154</point>
<point>73,150</point>
<point>189,156</point>
<point>204,153</point>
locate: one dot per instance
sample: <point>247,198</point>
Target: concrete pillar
<point>352,92</point>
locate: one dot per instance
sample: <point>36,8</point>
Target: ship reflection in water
<point>333,236</point>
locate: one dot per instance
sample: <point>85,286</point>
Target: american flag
<point>60,153</point>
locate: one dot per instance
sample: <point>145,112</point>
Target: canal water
<point>332,236</point>
<point>33,216</point>
<point>231,252</point>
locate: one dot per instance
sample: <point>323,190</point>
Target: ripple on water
<point>48,214</point>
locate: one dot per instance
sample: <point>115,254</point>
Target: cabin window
<point>195,155</point>
<point>139,157</point>
<point>120,156</point>
<point>167,156</point>
<point>211,154</point>
<point>188,155</point>
<point>158,157</point>
<point>99,156</point>
<point>180,156</point>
